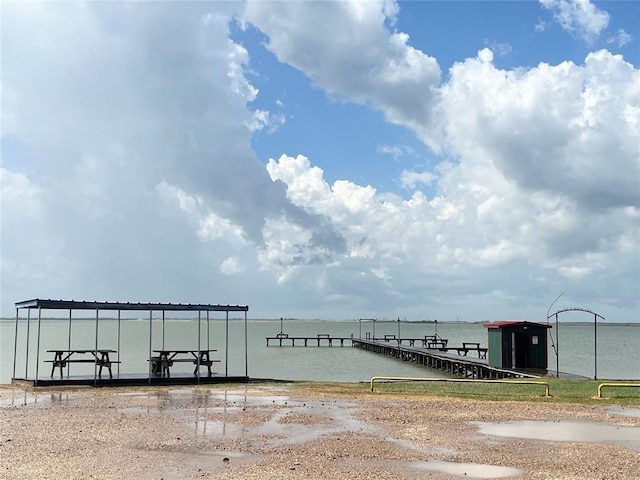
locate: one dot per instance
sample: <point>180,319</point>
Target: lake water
<point>618,347</point>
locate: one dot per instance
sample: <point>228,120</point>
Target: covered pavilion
<point>159,359</point>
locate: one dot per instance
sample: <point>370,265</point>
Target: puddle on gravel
<point>468,470</point>
<point>198,465</point>
<point>625,411</point>
<point>20,399</point>
<point>213,402</point>
<point>292,422</point>
<point>177,398</point>
<point>565,431</point>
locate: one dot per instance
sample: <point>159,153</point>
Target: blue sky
<point>446,160</point>
<point>343,138</point>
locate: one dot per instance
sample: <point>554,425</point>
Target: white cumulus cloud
<point>231,266</point>
<point>580,18</point>
<point>361,61</point>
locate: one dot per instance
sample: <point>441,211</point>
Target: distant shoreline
<point>277,320</point>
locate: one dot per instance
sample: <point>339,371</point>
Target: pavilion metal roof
<point>146,306</point>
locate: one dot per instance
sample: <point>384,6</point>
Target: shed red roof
<point>511,323</point>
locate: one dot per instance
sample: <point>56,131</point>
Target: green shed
<point>518,344</point>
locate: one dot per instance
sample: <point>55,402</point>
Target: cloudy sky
<point>421,160</point>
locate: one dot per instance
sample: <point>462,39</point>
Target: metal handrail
<point>466,380</point>
<point>615,384</point>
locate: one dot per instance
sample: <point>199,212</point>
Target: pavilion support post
<point>208,334</point>
<point>15,345</point>
<point>246,348</point>
<point>118,344</point>
<point>163,329</point>
<point>38,345</point>
<point>150,341</point>
<point>26,359</point>
<point>95,356</point>
<point>226,345</point>
<point>199,352</point>
<point>69,338</point>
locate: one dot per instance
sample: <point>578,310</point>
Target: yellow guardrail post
<point>615,384</point>
<point>465,380</point>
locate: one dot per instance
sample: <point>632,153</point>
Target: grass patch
<point>562,391</point>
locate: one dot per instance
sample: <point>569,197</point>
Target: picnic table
<point>99,357</point>
<point>162,362</point>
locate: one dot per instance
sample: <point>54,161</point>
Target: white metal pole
<point>15,345</point>
<point>226,345</point>
<point>69,340</point>
<point>246,349</point>
<point>118,345</point>
<point>95,356</point>
<point>163,329</point>
<point>150,340</point>
<point>38,345</point>
<point>199,353</point>
<point>595,346</point>
<point>26,360</point>
<point>557,350</point>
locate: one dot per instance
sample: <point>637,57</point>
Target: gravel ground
<point>280,431</point>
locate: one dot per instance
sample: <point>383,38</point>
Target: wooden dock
<point>325,340</point>
<point>320,340</point>
<point>439,359</point>
<point>468,360</point>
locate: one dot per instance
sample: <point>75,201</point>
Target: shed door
<point>521,350</point>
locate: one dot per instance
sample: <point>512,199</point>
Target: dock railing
<point>457,380</point>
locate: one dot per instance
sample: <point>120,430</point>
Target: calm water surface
<point>618,347</point>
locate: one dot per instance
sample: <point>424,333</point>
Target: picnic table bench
<point>474,347</point>
<point>162,362</point>
<point>100,357</point>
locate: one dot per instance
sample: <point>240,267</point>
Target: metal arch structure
<point>595,336</point>
<point>576,309</point>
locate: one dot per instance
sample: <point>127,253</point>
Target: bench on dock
<point>437,345</point>
<point>434,341</point>
<point>471,347</point>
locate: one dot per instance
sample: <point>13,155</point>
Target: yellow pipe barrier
<point>615,384</point>
<point>466,380</point>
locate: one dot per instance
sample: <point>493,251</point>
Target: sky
<point>471,161</point>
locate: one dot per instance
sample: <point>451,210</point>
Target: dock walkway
<point>454,364</point>
<point>432,351</point>
<point>321,339</point>
<point>324,339</point>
